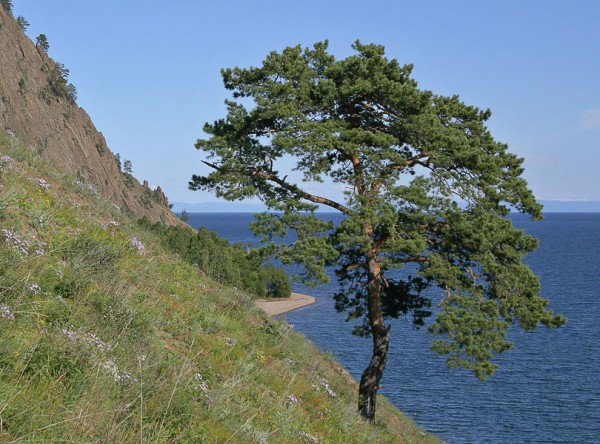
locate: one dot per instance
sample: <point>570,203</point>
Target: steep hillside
<point>108,337</point>
<point>37,107</point>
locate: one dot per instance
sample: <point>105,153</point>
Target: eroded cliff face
<point>36,108</point>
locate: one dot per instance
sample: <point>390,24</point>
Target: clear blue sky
<point>147,71</point>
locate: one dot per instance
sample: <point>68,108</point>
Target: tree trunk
<point>369,382</point>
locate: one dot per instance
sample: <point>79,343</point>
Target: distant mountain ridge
<point>550,206</point>
<point>217,207</point>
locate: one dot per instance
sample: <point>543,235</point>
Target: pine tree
<point>427,192</point>
<point>42,42</point>
<point>7,6</point>
<point>23,24</point>
<point>118,161</point>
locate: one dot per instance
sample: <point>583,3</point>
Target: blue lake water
<point>547,389</point>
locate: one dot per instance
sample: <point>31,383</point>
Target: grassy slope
<point>106,337</point>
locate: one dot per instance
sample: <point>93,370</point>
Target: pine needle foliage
<point>427,192</point>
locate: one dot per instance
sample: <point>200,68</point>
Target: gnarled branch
<point>271,177</point>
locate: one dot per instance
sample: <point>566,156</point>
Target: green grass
<point>106,336</point>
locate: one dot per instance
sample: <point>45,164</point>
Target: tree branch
<point>282,183</point>
<point>416,160</point>
<point>412,259</point>
<point>415,259</point>
<point>356,266</point>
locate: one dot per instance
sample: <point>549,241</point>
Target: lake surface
<point>547,389</point>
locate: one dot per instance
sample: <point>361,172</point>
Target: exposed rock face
<point>36,107</point>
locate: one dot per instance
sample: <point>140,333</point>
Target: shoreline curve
<point>278,306</point>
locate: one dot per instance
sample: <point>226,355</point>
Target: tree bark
<point>369,382</point>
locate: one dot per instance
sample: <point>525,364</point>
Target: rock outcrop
<point>37,107</point>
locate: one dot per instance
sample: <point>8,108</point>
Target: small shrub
<point>146,198</point>
<point>72,92</point>
<point>277,282</point>
<point>7,6</point>
<point>23,24</point>
<point>67,288</point>
<point>234,265</point>
<point>184,215</point>
<point>118,161</point>
<point>42,42</point>
<point>56,313</point>
<point>58,85</point>
<point>128,179</point>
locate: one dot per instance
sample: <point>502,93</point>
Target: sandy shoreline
<point>274,307</point>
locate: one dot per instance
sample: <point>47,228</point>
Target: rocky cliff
<point>37,106</point>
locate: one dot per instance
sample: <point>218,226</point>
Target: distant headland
<point>550,206</point>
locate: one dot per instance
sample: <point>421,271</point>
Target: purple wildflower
<point>118,376</point>
<point>309,438</point>
<point>41,182</point>
<point>35,288</point>
<point>139,245</point>
<point>87,338</point>
<point>6,313</point>
<point>16,242</point>
<point>327,387</point>
<point>6,162</point>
